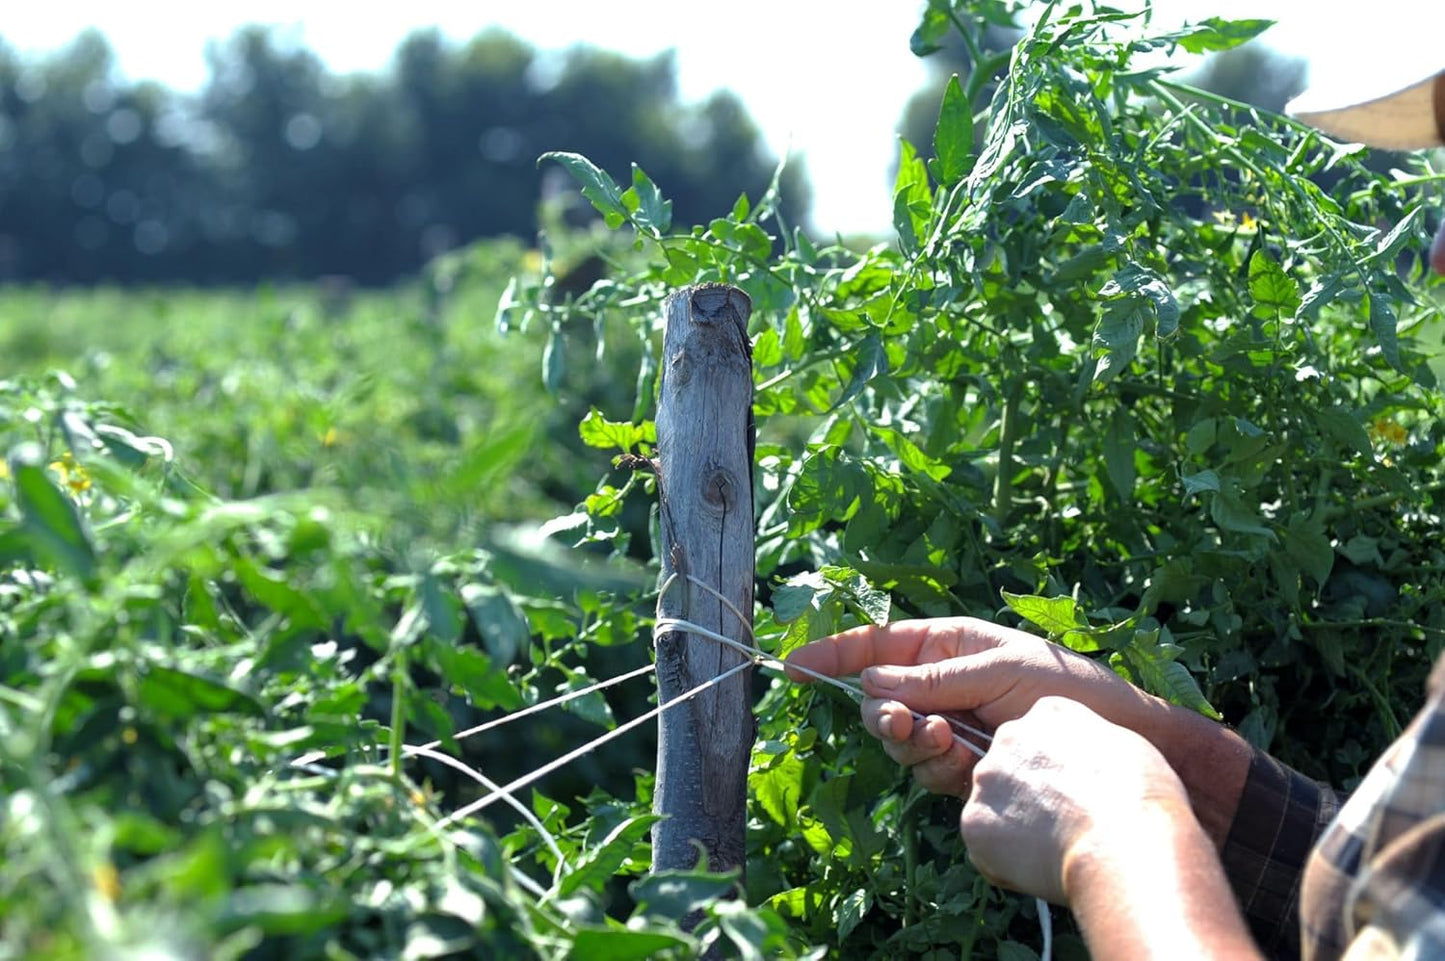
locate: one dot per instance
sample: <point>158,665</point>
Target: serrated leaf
<point>597,431</point>
<point>1162,675</point>
<point>597,186</point>
<point>676,894</point>
<point>503,628</point>
<point>601,862</point>
<point>600,943</point>
<point>1386,328</point>
<point>779,788</point>
<point>1232,515</point>
<point>1218,33</point>
<point>912,200</point>
<point>1120,441</point>
<point>1205,480</point>
<point>1342,427</point>
<point>1056,615</point>
<point>1274,294</point>
<point>932,27</point>
<point>653,211</point>
<point>795,598</point>
<point>871,361</point>
<point>1309,548</point>
<point>953,136</point>
<point>1118,333</point>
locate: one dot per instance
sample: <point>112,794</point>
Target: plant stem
<point>1008,436</point>
<point>398,710</point>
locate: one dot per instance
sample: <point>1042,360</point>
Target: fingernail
<point>885,726</point>
<point>883,678</point>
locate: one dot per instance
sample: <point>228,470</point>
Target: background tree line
<point>280,169</point>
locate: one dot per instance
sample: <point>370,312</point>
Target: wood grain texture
<point>704,471</point>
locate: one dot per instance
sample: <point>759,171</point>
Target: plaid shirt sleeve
<point>1281,814</point>
<point>1375,886</point>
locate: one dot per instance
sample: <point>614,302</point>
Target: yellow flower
<point>1246,221</point>
<point>72,474</point>
<point>4,470</point>
<point>1385,430</point>
<point>330,438</point>
<point>106,880</point>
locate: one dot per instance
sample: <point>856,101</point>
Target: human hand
<point>1060,791</point>
<point>982,671</point>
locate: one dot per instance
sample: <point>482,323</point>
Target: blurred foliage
<point>278,169</point>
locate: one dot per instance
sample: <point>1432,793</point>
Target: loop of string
<point>665,624</point>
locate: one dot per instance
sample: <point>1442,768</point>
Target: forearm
<point>1153,888</point>
<point>1211,760</point>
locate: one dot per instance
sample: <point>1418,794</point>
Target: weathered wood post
<point>705,485</point>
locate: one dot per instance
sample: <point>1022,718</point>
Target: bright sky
<point>829,78</point>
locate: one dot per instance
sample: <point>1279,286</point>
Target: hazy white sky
<point>830,78</point>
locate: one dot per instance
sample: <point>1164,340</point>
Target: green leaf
<point>767,349</point>
<point>1386,328</point>
<point>1232,515</point>
<point>597,431</point>
<point>602,861</point>
<point>779,788</point>
<point>676,894</point>
<point>873,603</point>
<point>1120,442</point>
<point>795,598</point>
<point>1118,335</point>
<point>179,694</point>
<point>1160,674</point>
<point>1275,295</point>
<point>652,212</point>
<point>597,186</point>
<point>593,943</point>
<point>1217,33</point>
<point>1344,429</point>
<point>870,361</point>
<point>933,26</point>
<point>1205,480</point>
<point>1309,548</point>
<point>1056,615</point>
<point>503,628</point>
<point>912,199</point>
<point>953,136</point>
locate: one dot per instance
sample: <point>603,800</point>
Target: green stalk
<point>398,711</point>
<point>1008,436</point>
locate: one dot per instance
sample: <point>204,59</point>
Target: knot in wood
<point>718,489</point>
<point>679,370</point>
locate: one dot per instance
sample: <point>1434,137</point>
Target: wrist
<point>1211,760</point>
<point>1103,855</point>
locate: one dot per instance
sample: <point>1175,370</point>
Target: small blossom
<point>72,474</point>
<point>1385,430</point>
<point>106,880</point>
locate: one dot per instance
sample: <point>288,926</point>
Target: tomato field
<point>1143,370</point>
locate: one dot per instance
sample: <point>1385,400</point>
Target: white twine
<point>443,758</point>
<point>488,799</point>
<point>664,624</point>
